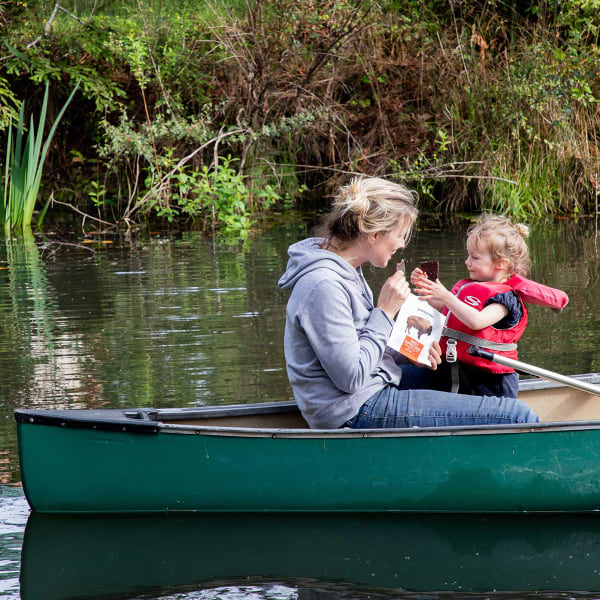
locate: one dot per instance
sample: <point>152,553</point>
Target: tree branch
<point>164,181</point>
<point>50,20</point>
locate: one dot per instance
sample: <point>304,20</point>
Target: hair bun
<point>522,229</point>
<point>353,199</point>
<point>368,205</point>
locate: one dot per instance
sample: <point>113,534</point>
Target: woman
<point>335,337</point>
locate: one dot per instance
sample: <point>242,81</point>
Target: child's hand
<point>416,276</point>
<point>433,292</point>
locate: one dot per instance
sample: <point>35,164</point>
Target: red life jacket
<point>475,293</point>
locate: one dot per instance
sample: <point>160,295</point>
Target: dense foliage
<point>210,112</point>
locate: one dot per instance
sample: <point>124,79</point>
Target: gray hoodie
<point>335,338</point>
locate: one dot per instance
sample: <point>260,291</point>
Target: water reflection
<point>104,556</point>
<point>13,516</point>
<point>184,320</point>
<point>26,323</point>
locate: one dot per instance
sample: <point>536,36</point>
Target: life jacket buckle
<point>451,350</point>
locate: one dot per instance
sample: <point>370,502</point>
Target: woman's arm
<point>348,356</point>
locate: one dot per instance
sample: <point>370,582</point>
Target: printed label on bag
<point>411,348</point>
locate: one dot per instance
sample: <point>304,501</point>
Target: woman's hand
<point>393,294</point>
<point>435,355</point>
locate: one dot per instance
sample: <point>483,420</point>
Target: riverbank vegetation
<point>206,113</point>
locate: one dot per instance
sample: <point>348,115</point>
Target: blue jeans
<point>471,380</point>
<point>392,407</point>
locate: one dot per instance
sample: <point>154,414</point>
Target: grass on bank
<point>26,151</point>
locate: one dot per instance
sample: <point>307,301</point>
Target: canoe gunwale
<point>513,428</point>
<point>149,420</point>
<point>228,410</point>
<point>113,421</point>
<point>61,419</point>
<point>543,384</point>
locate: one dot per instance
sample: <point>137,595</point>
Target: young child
<point>488,309</point>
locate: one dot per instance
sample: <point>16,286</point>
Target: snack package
<point>430,268</point>
<point>417,326</point>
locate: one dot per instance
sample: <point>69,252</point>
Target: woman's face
<point>385,244</point>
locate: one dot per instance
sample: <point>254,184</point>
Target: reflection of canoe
<point>66,556</point>
<point>262,458</point>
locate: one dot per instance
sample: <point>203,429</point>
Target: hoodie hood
<point>307,256</point>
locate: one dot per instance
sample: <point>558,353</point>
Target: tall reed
<point>25,156</point>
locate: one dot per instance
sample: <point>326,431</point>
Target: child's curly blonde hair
<point>503,239</point>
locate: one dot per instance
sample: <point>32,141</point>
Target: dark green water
<point>188,320</point>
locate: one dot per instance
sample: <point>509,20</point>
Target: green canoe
<point>263,458</point>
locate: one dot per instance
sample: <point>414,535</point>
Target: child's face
<point>481,265</point>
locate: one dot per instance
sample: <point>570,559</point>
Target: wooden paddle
<point>533,370</point>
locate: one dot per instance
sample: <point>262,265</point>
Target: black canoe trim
<point>62,419</point>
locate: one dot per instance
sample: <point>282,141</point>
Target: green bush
<point>484,104</point>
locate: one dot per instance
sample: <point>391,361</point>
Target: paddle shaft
<point>533,370</point>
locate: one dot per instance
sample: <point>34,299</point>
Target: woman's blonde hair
<point>503,239</point>
<point>368,205</point>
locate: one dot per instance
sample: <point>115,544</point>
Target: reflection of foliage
<point>565,255</point>
<point>205,326</point>
<point>26,331</point>
<point>28,291</point>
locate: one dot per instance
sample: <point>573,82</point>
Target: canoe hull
<point>83,469</point>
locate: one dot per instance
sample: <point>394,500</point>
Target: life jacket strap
<point>477,341</point>
<point>454,378</point>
